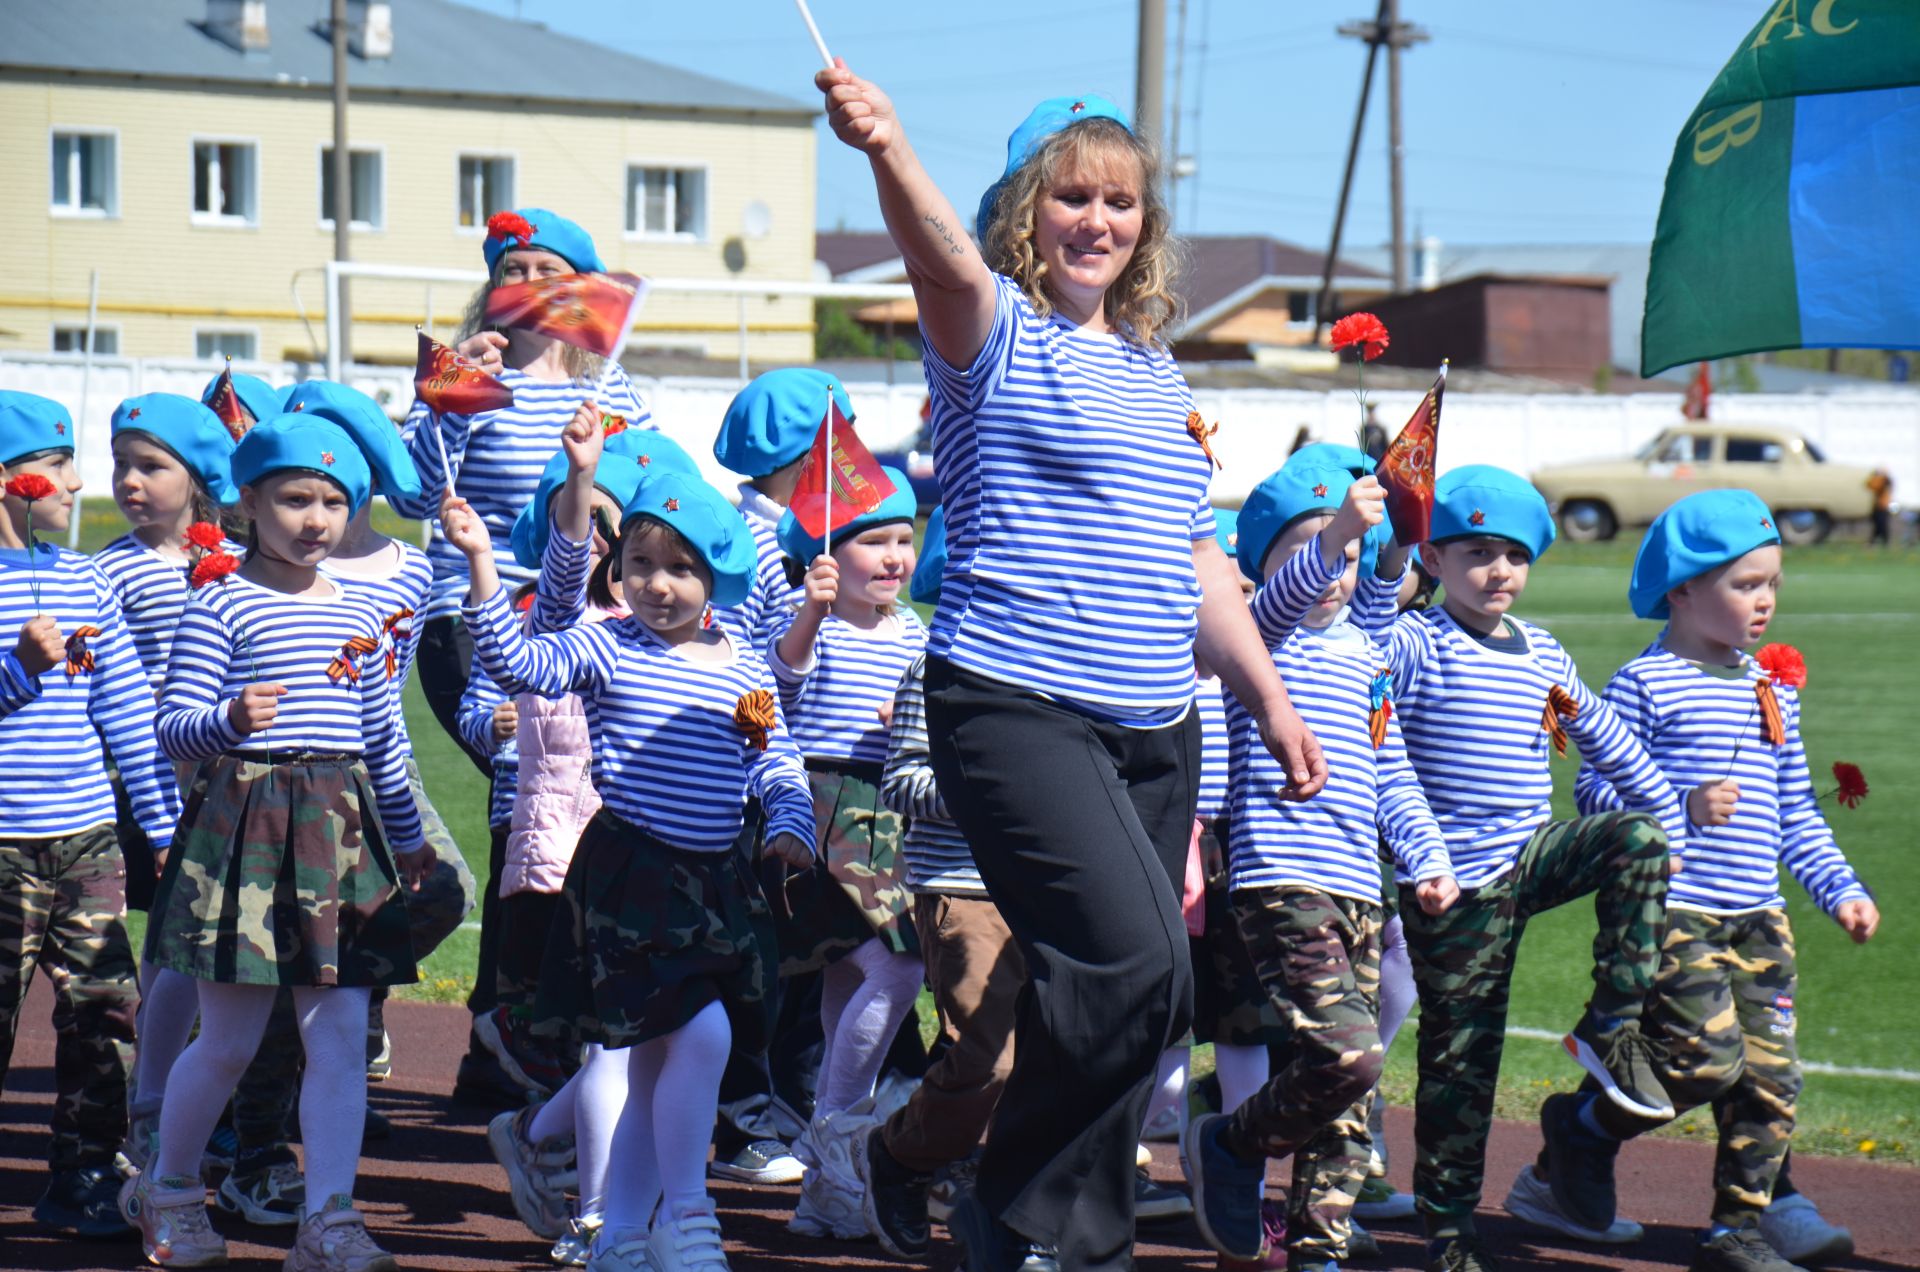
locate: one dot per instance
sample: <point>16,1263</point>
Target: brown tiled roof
<point>843,251</point>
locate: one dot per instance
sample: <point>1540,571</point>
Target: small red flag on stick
<point>1699,394</point>
<point>448,383</point>
<point>1406,470</point>
<point>226,403</point>
<point>593,311</point>
<point>839,479</point>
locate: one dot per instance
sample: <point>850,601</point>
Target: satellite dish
<point>733,253</point>
<point>756,219</point>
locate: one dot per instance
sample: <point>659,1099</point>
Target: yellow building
<point>181,149</point>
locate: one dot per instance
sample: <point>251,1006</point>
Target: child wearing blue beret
<point>73,697</point>
<point>1727,733</point>
<point>1484,700</point>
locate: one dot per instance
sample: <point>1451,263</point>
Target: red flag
<point>593,311</point>
<point>1406,470</point>
<point>445,381</point>
<point>850,480</point>
<point>226,403</point>
<point>1699,392</point>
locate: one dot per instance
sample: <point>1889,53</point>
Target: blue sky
<point>1526,120</point>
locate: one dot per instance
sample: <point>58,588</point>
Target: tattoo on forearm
<point>946,235</point>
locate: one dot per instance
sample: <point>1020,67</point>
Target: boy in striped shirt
<point>1727,732</point>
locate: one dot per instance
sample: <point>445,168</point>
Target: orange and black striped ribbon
<point>1560,708</point>
<point>754,716</point>
<point>79,657</point>
<point>395,634</point>
<point>1377,722</point>
<point>1772,727</point>
<point>1197,429</point>
<point>345,665</point>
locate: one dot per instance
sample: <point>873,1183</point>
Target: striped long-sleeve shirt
<point>667,753</point>
<point>1473,720</point>
<point>938,859</point>
<point>1210,698</point>
<point>1705,727</point>
<point>497,458</point>
<point>769,606</point>
<point>1330,842</point>
<point>338,700</point>
<point>832,702</point>
<point>53,771</point>
<point>474,718</point>
<point>153,595</point>
<point>397,589</point>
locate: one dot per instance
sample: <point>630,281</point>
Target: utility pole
<point>1398,36</point>
<point>1150,74</point>
<point>342,177</point>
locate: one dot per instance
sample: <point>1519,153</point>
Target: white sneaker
<point>1162,1128</point>
<point>830,1192</point>
<point>534,1171</point>
<point>688,1242</point>
<point>576,1243</point>
<point>626,1251</point>
<point>1530,1200</point>
<point>1798,1232</point>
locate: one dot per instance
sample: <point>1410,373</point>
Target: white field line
<point>1810,1066</point>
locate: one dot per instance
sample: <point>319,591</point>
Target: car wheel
<point>1801,526</point>
<point>1587,521</point>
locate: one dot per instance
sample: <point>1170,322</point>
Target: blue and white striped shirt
<point>1209,697</point>
<point>497,458</point>
<point>402,586</point>
<point>474,718</point>
<point>833,702</point>
<point>1330,842</point>
<point>153,595</point>
<point>1472,720</point>
<point>769,606</point>
<point>667,755</point>
<point>938,858</point>
<point>53,773</point>
<point>1702,727</point>
<point>236,633</point>
<point>1073,494</point>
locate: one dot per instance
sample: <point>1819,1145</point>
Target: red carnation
<point>213,566</point>
<point>1360,329</point>
<point>611,424</point>
<point>1783,665</point>
<point>1853,783</point>
<point>30,486</point>
<point>206,536</point>
<point>506,225</point>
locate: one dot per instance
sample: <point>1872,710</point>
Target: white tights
<point>168,1004</point>
<point>589,1106</point>
<point>1170,1085</point>
<point>864,998</point>
<point>659,1148</point>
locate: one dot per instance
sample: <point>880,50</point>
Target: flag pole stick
<point>826,469</point>
<point>806,15</point>
<point>433,422</point>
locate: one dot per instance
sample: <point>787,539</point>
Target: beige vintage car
<point>1808,494</point>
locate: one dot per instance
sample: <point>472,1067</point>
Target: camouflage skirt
<point>280,875</point>
<point>857,887</point>
<point>1229,1004</point>
<point>647,935</point>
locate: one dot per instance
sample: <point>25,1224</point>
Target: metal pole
<point>1373,37</point>
<point>1179,97</point>
<point>1396,150</point>
<point>338,351</point>
<point>86,387</point>
<point>335,286</point>
<point>746,372</point>
<point>1150,72</point>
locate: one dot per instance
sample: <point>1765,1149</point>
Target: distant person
<point>1302,436</point>
<point>1880,482</point>
<point>1373,436</point>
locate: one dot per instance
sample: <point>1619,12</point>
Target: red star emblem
<point>1478,518</point>
<point>1320,491</point>
<point>1765,524</point>
<point>672,505</point>
<point>1076,108</point>
<point>645,460</point>
<point>299,406</point>
<point>326,457</point>
<point>134,414</point>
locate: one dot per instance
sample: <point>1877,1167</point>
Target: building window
<point>106,340</point>
<point>368,195</point>
<point>211,346</point>
<point>667,202</point>
<point>225,182</point>
<point>83,174</point>
<point>486,187</point>
<point>1301,306</point>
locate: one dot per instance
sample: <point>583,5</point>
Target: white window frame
<point>638,232</point>
<point>324,221</point>
<point>82,213</point>
<point>225,220</point>
<point>252,333</point>
<point>79,329</point>
<point>512,157</point>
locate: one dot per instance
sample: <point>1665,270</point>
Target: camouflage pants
<point>1722,1011</point>
<point>63,907</point>
<point>1463,966</point>
<point>1318,958</point>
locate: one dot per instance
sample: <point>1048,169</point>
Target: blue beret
<point>652,450</point>
<point>30,423</point>
<point>772,421</point>
<point>551,233</point>
<point>261,399</point>
<point>931,566</point>
<point>1226,528</point>
<point>1046,119</point>
<point>191,432</point>
<point>1296,491</point>
<point>901,505</point>
<point>1332,454</point>
<point>618,475</point>
<point>703,517</point>
<point>368,426</point>
<point>1702,532</point>
<point>1479,500</point>
<point>303,443</point>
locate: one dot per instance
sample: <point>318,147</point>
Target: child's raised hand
<point>823,581</point>
<point>582,438</point>
<point>857,111</point>
<point>1364,508</point>
<point>1712,803</point>
<point>506,721</point>
<point>1438,895</point>
<point>254,710</point>
<point>463,527</point>
<point>885,712</point>
<point>790,849</point>
<point>1859,919</point>
<point>40,647</point>
<point>484,349</point>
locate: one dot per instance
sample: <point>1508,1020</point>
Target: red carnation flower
<point>1364,330</point>
<point>1783,665</point>
<point>30,486</point>
<point>611,424</point>
<point>506,225</point>
<point>206,536</point>
<point>1853,783</point>
<point>213,566</point>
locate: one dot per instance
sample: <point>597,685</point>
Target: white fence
<point>1874,427</point>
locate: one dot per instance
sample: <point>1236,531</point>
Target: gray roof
<point>438,48</point>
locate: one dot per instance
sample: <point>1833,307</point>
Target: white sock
<point>873,1013</point>
<point>333,1090</point>
<point>233,1020</point>
<point>1397,992</point>
<point>1169,1082</point>
<point>168,1005</point>
<point>1242,1070</point>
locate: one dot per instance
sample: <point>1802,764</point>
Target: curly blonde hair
<point>1141,302</point>
<point>582,364</point>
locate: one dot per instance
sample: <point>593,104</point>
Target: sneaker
<point>538,1197</point>
<point>688,1241</point>
<point>171,1217</point>
<point>1462,1252</point>
<point>949,1182</point>
<point>625,1251</point>
<point>1360,1243</point>
<point>518,1062</point>
<point>766,1161</point>
<point>1163,1127</point>
<point>1794,1226</point>
<point>1274,1220</point>
<point>143,1136</point>
<point>221,1146</point>
<point>336,1240</point>
<point>987,1245</point>
<point>379,1055</point>
<point>1621,1059</point>
<point>1532,1202</point>
<point>481,1083</point>
<point>892,1197</point>
<point>1739,1250</point>
<point>1579,1164</point>
<point>830,1203</point>
<point>576,1243</point>
<point>1142,1157</point>
<point>1226,1191</point>
<point>1155,1202</point>
<point>272,1195</point>
<point>84,1201</point>
<point>1380,1200</point>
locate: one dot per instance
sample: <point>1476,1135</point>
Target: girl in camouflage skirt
<point>298,831</point>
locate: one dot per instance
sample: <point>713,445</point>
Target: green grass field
<point>1851,610</point>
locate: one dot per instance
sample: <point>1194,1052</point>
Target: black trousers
<point>1080,830</point>
<point>444,663</point>
<point>486,977</point>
